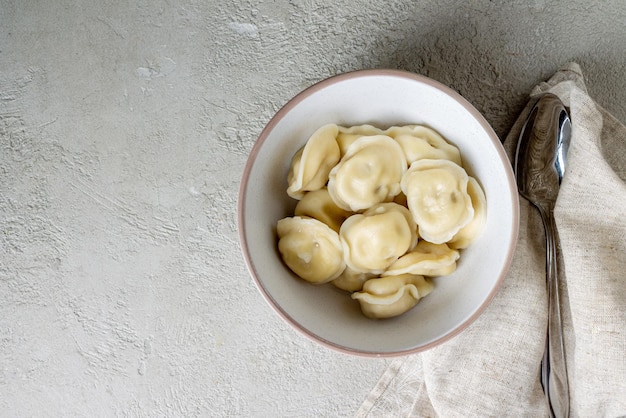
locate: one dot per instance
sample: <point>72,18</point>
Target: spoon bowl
<point>541,156</point>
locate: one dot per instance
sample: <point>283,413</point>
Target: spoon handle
<point>554,371</point>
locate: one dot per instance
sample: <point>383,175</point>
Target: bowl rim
<point>280,114</point>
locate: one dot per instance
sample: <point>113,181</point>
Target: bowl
<point>325,314</point>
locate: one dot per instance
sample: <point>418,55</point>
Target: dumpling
<point>472,230</point>
<point>420,142</point>
<point>347,136</point>
<point>396,207</point>
<point>437,197</point>
<point>351,281</point>
<point>391,296</point>
<point>319,205</point>
<point>427,259</point>
<point>369,173</point>
<point>372,241</point>
<point>310,249</point>
<point>312,163</point>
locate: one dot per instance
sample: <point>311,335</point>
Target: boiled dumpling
<point>351,281</point>
<point>437,197</point>
<point>368,174</point>
<point>310,249</point>
<point>420,142</point>
<point>319,205</point>
<point>372,241</point>
<point>396,207</point>
<point>427,259</point>
<point>312,163</point>
<point>347,136</point>
<point>391,296</point>
<point>469,232</point>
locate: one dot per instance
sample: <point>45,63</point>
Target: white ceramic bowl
<point>382,98</point>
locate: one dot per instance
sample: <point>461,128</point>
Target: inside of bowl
<point>327,314</point>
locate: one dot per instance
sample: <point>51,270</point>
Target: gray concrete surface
<point>124,128</point>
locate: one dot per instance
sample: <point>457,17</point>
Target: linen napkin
<point>493,367</point>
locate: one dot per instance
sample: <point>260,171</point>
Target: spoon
<point>540,163</point>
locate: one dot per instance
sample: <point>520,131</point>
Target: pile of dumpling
<point>379,212</point>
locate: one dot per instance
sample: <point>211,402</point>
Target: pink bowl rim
<point>263,137</point>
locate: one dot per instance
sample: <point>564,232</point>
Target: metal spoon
<point>540,163</point>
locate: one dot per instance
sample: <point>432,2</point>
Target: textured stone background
<point>124,129</point>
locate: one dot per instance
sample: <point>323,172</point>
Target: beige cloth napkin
<point>493,367</point>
